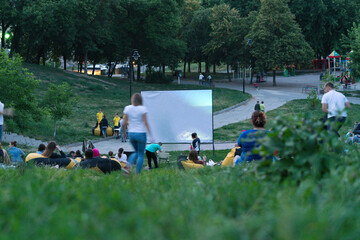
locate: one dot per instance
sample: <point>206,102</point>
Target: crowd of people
<point>134,125</point>
<point>103,123</point>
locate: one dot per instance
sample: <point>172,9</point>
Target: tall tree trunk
<point>54,127</point>
<point>93,71</point>
<point>163,68</point>
<point>189,69</point>
<point>228,72</point>
<point>138,71</point>
<point>64,57</point>
<point>43,57</point>
<point>38,57</point>
<point>81,67</point>
<point>85,62</point>
<point>113,69</point>
<point>3,30</point>
<point>207,70</point>
<point>109,69</point>
<point>184,72</point>
<point>274,78</point>
<point>214,69</point>
<point>199,67</point>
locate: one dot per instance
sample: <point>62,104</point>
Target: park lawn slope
<point>95,93</point>
<point>210,203</point>
<point>231,132</point>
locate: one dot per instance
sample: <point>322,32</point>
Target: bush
<point>313,99</point>
<point>158,77</point>
<point>304,149</point>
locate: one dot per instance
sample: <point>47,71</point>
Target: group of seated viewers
<point>47,155</point>
<point>353,135</point>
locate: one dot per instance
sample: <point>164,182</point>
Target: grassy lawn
<point>167,203</point>
<point>231,132</point>
<point>93,94</point>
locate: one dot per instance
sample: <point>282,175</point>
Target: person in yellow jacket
<point>99,116</point>
<point>116,124</point>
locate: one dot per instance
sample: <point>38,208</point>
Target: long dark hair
<point>193,156</point>
<point>120,152</point>
<point>258,119</point>
<point>49,150</point>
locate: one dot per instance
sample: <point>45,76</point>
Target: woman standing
<point>15,153</point>
<point>104,125</point>
<point>135,116</point>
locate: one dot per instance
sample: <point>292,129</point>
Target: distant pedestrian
<point>257,106</point>
<point>104,125</point>
<point>262,106</point>
<point>201,79</point>
<point>334,103</point>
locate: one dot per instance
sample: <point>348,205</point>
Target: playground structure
<point>332,63</point>
<point>289,71</point>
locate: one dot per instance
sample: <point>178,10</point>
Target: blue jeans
<point>104,131</point>
<point>1,130</point>
<point>138,141</point>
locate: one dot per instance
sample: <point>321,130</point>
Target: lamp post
<point>134,55</point>
<point>249,43</point>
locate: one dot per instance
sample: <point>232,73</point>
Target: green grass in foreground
<point>210,203</point>
<point>231,132</point>
<point>94,94</point>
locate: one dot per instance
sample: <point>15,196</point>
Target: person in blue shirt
<point>249,139</point>
<point>151,153</point>
<point>15,153</point>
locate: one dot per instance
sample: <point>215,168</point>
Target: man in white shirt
<point>334,103</point>
<point>201,79</point>
<point>1,119</point>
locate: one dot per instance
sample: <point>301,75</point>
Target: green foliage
<point>59,101</point>
<point>277,38</point>
<point>158,77</point>
<point>313,99</point>
<point>17,87</point>
<point>353,43</point>
<point>304,149</point>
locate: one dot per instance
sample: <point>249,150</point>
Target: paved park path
<point>287,89</point>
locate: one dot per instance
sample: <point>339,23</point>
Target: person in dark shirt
<point>49,151</point>
<point>195,145</point>
<point>104,125</point>
<point>257,106</point>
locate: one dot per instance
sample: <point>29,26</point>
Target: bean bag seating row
<point>97,131</point>
<point>103,165</point>
<point>39,159</point>
<point>229,159</point>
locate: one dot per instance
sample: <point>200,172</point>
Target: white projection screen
<point>174,115</point>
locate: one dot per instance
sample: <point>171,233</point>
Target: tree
<point>277,38</point>
<point>59,101</point>
<point>17,87</point>
<point>323,22</point>
<point>352,44</point>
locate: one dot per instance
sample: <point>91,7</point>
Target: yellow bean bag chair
<point>191,165</point>
<point>109,131</point>
<point>97,131</point>
<point>229,159</point>
<point>39,159</point>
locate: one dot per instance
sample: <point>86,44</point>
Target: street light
<point>249,43</point>
<point>134,55</point>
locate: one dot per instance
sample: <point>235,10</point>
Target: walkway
<point>287,89</point>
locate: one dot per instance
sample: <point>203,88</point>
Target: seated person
<point>121,156</point>
<point>41,148</point>
<point>194,161</point>
<point>4,157</point>
<point>356,128</point>
<point>16,154</point>
<point>49,151</point>
<point>232,157</point>
<point>71,154</point>
<point>248,140</point>
<point>78,154</point>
